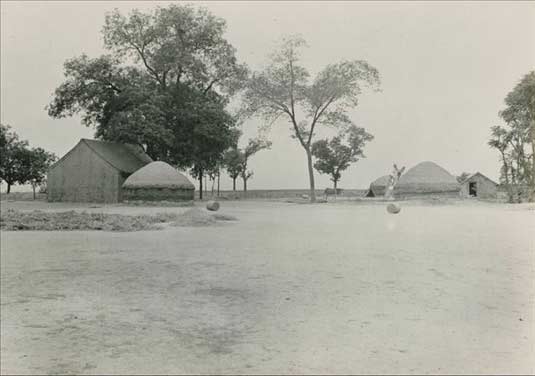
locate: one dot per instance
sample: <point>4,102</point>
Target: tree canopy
<point>516,140</point>
<point>283,89</point>
<point>334,156</point>
<point>164,84</point>
<point>20,164</point>
<point>236,160</point>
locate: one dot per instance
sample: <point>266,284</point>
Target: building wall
<point>157,194</point>
<point>82,176</point>
<point>485,189</point>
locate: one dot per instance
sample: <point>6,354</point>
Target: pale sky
<point>445,68</point>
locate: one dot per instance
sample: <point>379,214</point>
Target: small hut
<point>478,185</point>
<point>378,187</point>
<point>158,181</point>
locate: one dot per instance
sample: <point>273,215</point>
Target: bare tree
<point>282,89</point>
<point>393,181</point>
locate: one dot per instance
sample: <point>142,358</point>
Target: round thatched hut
<point>427,178</point>
<point>157,181</point>
<point>378,187</point>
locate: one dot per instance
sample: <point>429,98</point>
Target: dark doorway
<point>472,189</point>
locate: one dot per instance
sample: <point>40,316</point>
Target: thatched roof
<point>378,186</point>
<point>427,177</point>
<point>158,175</point>
<point>381,182</point>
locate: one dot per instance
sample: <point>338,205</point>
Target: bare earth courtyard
<point>288,288</point>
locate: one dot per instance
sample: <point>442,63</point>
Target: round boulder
<point>393,208</point>
<point>212,205</point>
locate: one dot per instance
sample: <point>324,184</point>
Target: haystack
<point>426,178</point>
<point>157,181</point>
<point>378,187</point>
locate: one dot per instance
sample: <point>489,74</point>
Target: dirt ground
<point>288,288</point>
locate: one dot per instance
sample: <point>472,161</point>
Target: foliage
<point>11,149</point>
<point>164,85</point>
<point>236,159</point>
<point>18,163</point>
<point>253,146</point>
<point>283,89</point>
<point>35,163</point>
<point>232,160</point>
<point>333,156</point>
<point>516,141</point>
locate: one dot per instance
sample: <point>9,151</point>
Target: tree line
<point>167,79</point>
<point>20,164</point>
<point>515,141</point>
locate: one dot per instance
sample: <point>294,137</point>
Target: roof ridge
<point>110,160</point>
<point>84,140</point>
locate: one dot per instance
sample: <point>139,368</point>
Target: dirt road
<point>329,288</point>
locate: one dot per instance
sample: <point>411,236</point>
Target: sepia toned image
<point>267,187</point>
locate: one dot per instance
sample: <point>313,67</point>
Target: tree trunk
<point>507,183</point>
<point>335,189</point>
<point>205,184</point>
<point>311,176</point>
<point>245,185</point>
<point>531,197</point>
<point>213,186</point>
<point>33,188</point>
<point>200,184</point>
<point>234,184</point>
<point>8,188</point>
<point>218,176</point>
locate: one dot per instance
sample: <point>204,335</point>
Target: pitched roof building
<point>94,171</point>
<point>478,185</point>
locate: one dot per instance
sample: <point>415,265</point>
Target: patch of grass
<point>37,220</point>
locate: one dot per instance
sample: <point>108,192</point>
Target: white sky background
<point>445,69</point>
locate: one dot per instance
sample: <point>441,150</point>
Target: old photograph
<point>267,187</point>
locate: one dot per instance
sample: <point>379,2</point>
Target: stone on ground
<point>212,205</point>
<point>393,208</point>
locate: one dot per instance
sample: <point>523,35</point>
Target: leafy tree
<point>11,151</point>
<point>34,166</point>
<point>18,163</point>
<point>333,156</point>
<point>233,162</point>
<point>516,141</point>
<point>500,141</point>
<point>164,85</point>
<point>283,89</point>
<point>253,146</point>
<point>236,160</point>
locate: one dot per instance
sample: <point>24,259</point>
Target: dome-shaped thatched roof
<point>427,177</point>
<point>381,182</point>
<point>158,175</point>
<point>378,186</point>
